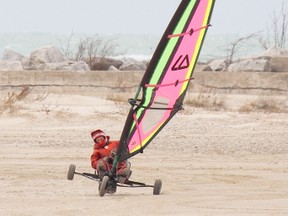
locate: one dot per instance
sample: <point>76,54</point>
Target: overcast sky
<point>127,16</point>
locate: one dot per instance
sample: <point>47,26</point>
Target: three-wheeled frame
<point>109,183</point>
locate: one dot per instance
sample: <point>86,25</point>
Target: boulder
<point>132,64</point>
<point>202,67</point>
<point>279,64</point>
<point>218,65</point>
<point>55,66</point>
<point>250,65</point>
<point>26,64</point>
<point>48,54</point>
<point>113,68</point>
<point>79,66</point>
<point>11,66</point>
<point>10,55</point>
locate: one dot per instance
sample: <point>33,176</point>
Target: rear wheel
<point>71,172</point>
<point>103,185</point>
<point>157,187</point>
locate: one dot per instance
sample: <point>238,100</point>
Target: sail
<point>164,84</point>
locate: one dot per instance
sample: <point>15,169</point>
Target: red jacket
<point>100,153</point>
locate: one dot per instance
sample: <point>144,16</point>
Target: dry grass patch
<point>206,99</point>
<point>265,104</point>
<point>8,103</point>
<point>121,101</point>
<point>118,98</point>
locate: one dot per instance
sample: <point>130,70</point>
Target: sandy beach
<point>211,162</point>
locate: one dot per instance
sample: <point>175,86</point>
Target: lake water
<point>136,46</point>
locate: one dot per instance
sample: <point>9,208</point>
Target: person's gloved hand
<point>112,154</point>
<point>108,159</point>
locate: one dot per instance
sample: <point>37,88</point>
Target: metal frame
<point>128,183</point>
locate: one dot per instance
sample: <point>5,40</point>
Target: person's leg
<point>124,172</point>
<point>102,168</point>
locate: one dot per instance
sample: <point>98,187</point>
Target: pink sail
<point>167,77</point>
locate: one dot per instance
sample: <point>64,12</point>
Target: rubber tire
<point>71,172</point>
<point>103,185</point>
<point>157,187</point>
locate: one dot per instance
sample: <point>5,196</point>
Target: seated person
<point>103,156</point>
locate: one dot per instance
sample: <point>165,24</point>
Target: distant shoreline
<point>136,45</point>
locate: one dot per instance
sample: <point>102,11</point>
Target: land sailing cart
<point>161,92</point>
<point>109,183</point>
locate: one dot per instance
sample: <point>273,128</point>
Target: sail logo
<point>181,63</point>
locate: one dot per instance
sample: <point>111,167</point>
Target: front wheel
<point>71,172</point>
<point>157,187</point>
<point>103,185</point>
